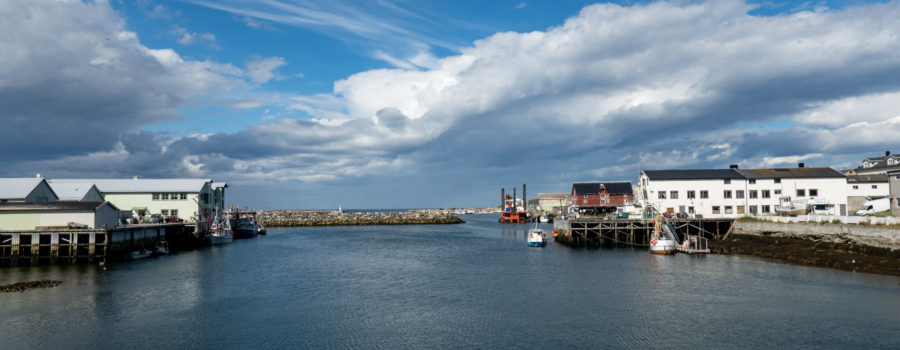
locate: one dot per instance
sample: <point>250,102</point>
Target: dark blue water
<point>475,285</point>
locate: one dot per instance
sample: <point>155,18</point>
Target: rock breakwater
<point>290,218</point>
<point>23,286</point>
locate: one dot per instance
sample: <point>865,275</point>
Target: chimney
<point>524,198</point>
<point>502,199</point>
<point>800,165</point>
<point>38,176</point>
<point>135,177</point>
<point>733,166</point>
<point>514,200</point>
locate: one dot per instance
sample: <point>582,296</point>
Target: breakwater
<point>292,218</point>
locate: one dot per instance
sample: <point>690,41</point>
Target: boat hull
<point>220,239</point>
<point>537,244</point>
<point>663,247</point>
<point>244,233</point>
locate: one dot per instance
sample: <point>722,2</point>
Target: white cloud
<point>521,5</point>
<point>190,38</point>
<point>263,70</point>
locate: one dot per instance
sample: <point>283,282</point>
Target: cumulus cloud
<point>614,88</point>
<point>191,38</point>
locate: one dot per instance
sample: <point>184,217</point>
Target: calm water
<point>475,285</point>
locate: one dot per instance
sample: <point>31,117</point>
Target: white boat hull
<point>663,247</point>
<point>222,237</point>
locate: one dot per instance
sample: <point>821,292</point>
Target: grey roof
<point>594,187</point>
<point>18,187</point>
<point>141,185</point>
<point>797,173</point>
<point>65,205</point>
<point>71,191</point>
<point>867,178</point>
<point>693,174</point>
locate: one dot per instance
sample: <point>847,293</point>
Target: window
<point>753,194</point>
<point>173,212</point>
<point>727,194</point>
<point>765,209</point>
<point>740,209</point>
<point>165,212</point>
<point>727,209</point>
<point>156,196</point>
<point>183,196</point>
<point>752,181</point>
<point>691,194</point>
<point>704,194</point>
<point>766,194</point>
<point>777,192</point>
<point>739,193</point>
<point>165,196</point>
<point>874,186</point>
<point>662,194</point>
<point>801,193</point>
<point>778,181</point>
<point>673,194</point>
<point>715,209</point>
<point>813,192</point>
<point>727,181</point>
<point>754,210</point>
<point>691,209</point>
<point>855,187</point>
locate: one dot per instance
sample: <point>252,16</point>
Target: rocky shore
<point>824,253</point>
<point>23,286</point>
<point>289,218</point>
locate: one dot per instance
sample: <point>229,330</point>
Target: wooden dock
<point>610,232</point>
<point>71,246</point>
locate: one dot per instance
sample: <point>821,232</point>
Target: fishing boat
<point>788,207</point>
<point>260,229</point>
<point>662,240</point>
<point>139,254</point>
<point>244,227</point>
<point>220,231</point>
<point>536,237</point>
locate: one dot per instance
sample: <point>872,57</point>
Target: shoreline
<point>293,218</point>
<point>846,256</point>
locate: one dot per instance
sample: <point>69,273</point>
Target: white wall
<point>187,208</point>
<point>830,190</point>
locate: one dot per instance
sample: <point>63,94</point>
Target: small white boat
<point>536,237</point>
<point>662,240</point>
<point>545,219</point>
<point>220,231</point>
<point>162,248</point>
<point>139,254</point>
<point>788,207</point>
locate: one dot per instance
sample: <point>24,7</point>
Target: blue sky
<point>403,104</point>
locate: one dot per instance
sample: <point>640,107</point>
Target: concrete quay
<point>289,218</point>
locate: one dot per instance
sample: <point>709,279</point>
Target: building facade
<point>32,216</point>
<point>861,188</point>
<point>187,199</point>
<point>733,193</point>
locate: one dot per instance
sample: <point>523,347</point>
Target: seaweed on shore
<point>839,255</point>
<point>23,286</point>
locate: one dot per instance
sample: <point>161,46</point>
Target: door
<point>843,210</point>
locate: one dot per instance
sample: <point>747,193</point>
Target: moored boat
<point>788,207</point>
<point>220,231</point>
<point>245,228</point>
<point>662,240</point>
<point>162,248</point>
<point>139,254</point>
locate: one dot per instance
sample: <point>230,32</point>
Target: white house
<point>861,188</point>
<point>732,192</point>
<point>31,216</point>
<point>182,198</point>
<point>27,190</point>
<point>74,191</point>
<point>700,192</point>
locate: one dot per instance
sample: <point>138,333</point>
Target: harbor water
<point>473,285</point>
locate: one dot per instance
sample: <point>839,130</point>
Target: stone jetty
<point>286,218</point>
<point>23,286</point>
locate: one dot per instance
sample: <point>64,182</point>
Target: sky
<point>301,104</point>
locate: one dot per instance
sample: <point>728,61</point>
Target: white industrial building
<point>182,198</point>
<point>75,191</point>
<point>26,190</point>
<point>47,215</point>
<point>732,192</point>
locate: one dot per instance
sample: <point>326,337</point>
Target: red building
<point>601,197</point>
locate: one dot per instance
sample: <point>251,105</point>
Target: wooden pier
<point>71,246</point>
<point>597,232</point>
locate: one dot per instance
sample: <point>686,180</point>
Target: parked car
<point>174,219</point>
<point>875,206</point>
<point>155,218</point>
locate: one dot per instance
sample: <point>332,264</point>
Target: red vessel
<point>510,211</point>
